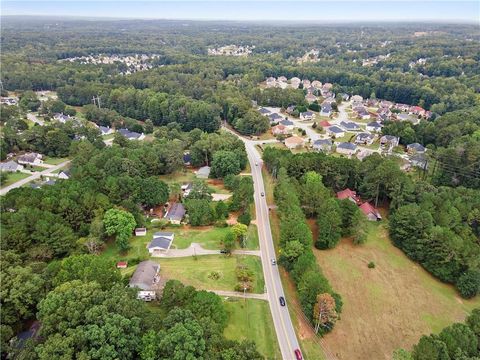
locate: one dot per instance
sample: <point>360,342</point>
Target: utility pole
<point>96,101</point>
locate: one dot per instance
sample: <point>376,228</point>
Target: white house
<point>374,126</point>
<point>175,213</point>
<point>322,145</point>
<point>364,139</point>
<point>145,279</point>
<point>140,232</point>
<point>335,131</point>
<point>64,175</point>
<point>326,110</point>
<point>131,135</point>
<point>294,142</point>
<point>10,166</point>
<point>160,243</point>
<point>30,159</point>
<point>307,115</point>
<point>105,130</point>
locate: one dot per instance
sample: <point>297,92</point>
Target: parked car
<point>223,251</point>
<point>274,262</point>
<point>262,194</point>
<point>282,301</point>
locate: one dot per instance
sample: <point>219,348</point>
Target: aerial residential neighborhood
<point>240,180</point>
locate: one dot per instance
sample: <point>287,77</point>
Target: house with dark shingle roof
<point>374,126</point>
<point>175,213</point>
<point>415,148</point>
<point>10,166</point>
<point>346,148</point>
<point>335,131</point>
<point>322,145</point>
<point>326,110</point>
<point>264,111</point>
<point>307,115</point>
<point>105,130</point>
<point>350,126</point>
<point>145,279</point>
<point>160,243</point>
<point>131,135</point>
<point>364,139</point>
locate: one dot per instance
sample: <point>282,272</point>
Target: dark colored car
<point>298,354</point>
<point>262,194</point>
<point>282,301</point>
<point>223,251</point>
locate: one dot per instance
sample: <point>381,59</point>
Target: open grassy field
<point>14,177</point>
<point>53,160</point>
<point>251,320</point>
<point>196,271</point>
<point>387,307</point>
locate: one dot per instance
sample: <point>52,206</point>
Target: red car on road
<point>298,354</point>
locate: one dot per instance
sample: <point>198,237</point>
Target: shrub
<point>371,265</point>
<point>245,218</point>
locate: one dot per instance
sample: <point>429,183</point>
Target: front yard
<point>14,177</point>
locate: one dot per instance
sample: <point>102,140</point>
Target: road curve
<point>287,339</point>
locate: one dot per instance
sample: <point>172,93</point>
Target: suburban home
<point>417,110</point>
<point>203,172</point>
<point>362,113</point>
<point>105,130</point>
<point>64,174</point>
<point>295,82</point>
<point>371,102</point>
<point>122,265</point>
<point>322,145</point>
<point>345,97</point>
<point>282,79</point>
<point>310,90</point>
<point>140,232</point>
<point>386,104</point>
<point>8,101</point>
<point>374,126</point>
<point>415,148</point>
<point>275,117</point>
<point>289,124</point>
<point>160,243</point>
<point>316,84</point>
<point>10,166</point>
<point>349,126</point>
<point>388,142</point>
<point>175,213</point>
<point>290,109</point>
<point>61,117</point>
<point>326,110</point>
<point>350,195</point>
<point>264,111</point>
<point>30,159</point>
<point>419,160</point>
<point>370,212</point>
<point>280,130</point>
<point>306,83</point>
<point>294,142</point>
<point>346,148</point>
<point>384,114</point>
<point>357,98</point>
<point>307,115</point>
<point>324,124</point>
<point>310,98</point>
<point>327,86</point>
<point>187,158</point>
<point>186,188</point>
<point>335,131</point>
<point>131,135</point>
<point>403,117</point>
<point>364,139</point>
<point>145,279</point>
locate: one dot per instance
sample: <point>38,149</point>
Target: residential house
<point>349,126</point>
<point>105,130</point>
<point>384,114</point>
<point>326,110</point>
<point>203,172</point>
<point>324,124</point>
<point>362,113</point>
<point>295,82</point>
<point>316,84</point>
<point>8,101</point>
<point>289,124</point>
<point>346,148</point>
<point>187,158</point>
<point>131,135</point>
<point>374,127</point>
<point>364,139</point>
<point>371,102</point>
<point>145,279</point>
<point>357,98</point>
<point>419,160</point>
<point>417,110</point>
<point>307,115</point>
<point>282,79</point>
<point>322,145</point>
<point>280,130</point>
<point>264,111</point>
<point>402,117</point>
<point>30,159</point>
<point>290,109</point>
<point>370,212</point>
<point>306,83</point>
<point>175,213</point>
<point>415,148</point>
<point>10,166</point>
<point>335,131</point>
<point>140,232</point>
<point>275,117</point>
<point>310,98</point>
<point>161,243</point>
<point>402,107</point>
<point>327,86</point>
<point>350,195</point>
<point>311,90</point>
<point>61,117</point>
<point>294,142</point>
<point>388,142</point>
<point>64,174</point>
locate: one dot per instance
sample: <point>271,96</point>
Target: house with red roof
<point>324,123</point>
<point>370,212</point>
<point>350,195</point>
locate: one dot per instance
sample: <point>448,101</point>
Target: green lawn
<point>251,320</point>
<point>348,136</point>
<point>14,177</point>
<point>252,238</point>
<point>196,271</point>
<point>108,136</point>
<point>53,160</point>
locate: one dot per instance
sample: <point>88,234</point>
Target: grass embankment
<point>53,161</point>
<point>14,177</point>
<point>392,305</point>
<point>251,320</point>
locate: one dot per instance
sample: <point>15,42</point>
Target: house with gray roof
<point>346,148</point>
<point>374,126</point>
<point>322,145</point>
<point>275,117</point>
<point>349,126</point>
<point>30,159</point>
<point>203,172</point>
<point>131,135</point>
<point>335,131</point>
<point>145,279</point>
<point>415,148</point>
<point>105,130</point>
<point>175,213</point>
<point>307,115</point>
<point>326,110</point>
<point>264,111</point>
<point>161,243</point>
<point>364,139</point>
<point>61,117</point>
<point>388,142</point>
<point>10,166</point>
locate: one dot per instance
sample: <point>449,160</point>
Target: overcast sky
<point>331,11</point>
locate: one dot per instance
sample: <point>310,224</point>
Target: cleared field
<point>251,320</point>
<point>197,271</point>
<point>53,160</point>
<point>387,307</point>
<point>14,177</point>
